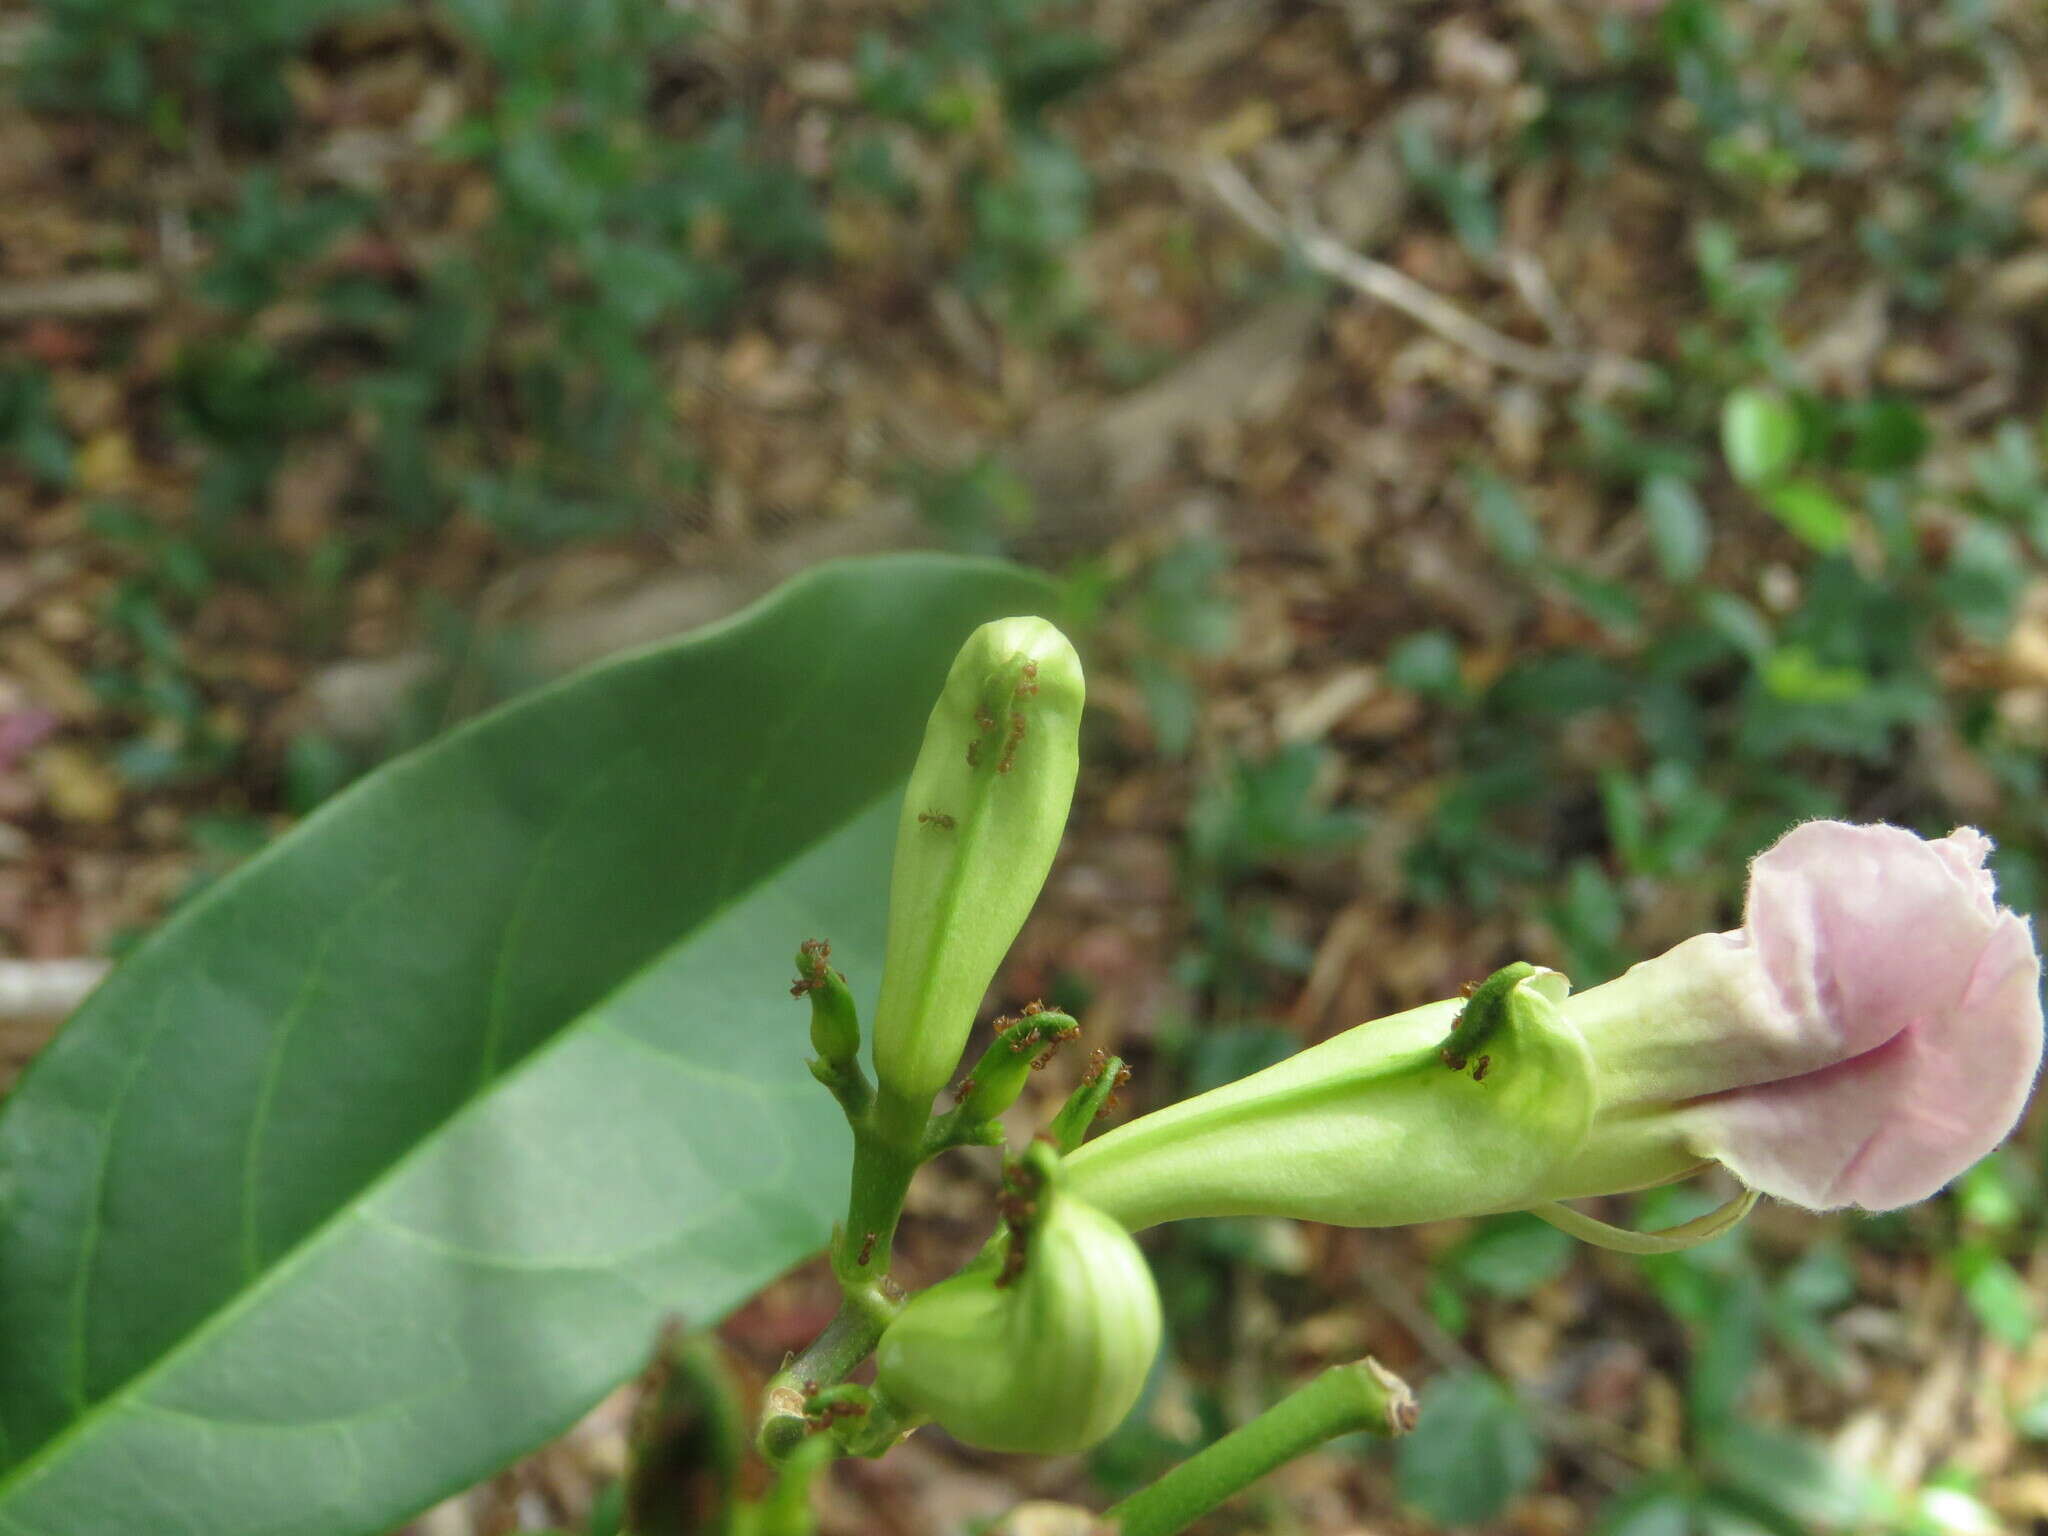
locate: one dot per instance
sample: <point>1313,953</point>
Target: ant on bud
<point>939,819</point>
<point>1010,743</point>
<point>1121,1081</point>
<point>1018,1204</point>
<point>812,954</point>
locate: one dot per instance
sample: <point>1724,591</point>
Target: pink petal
<point>1866,931</point>
<point>1893,951</point>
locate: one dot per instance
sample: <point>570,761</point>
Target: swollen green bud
<point>1444,1111</point>
<point>1044,1345</point>
<point>986,805</point>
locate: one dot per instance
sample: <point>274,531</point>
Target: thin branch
<point>1390,286</point>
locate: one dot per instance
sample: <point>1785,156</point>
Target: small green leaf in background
<point>1759,435</point>
<point>1679,531</point>
<point>1427,663</point>
<point>1725,1350</point>
<point>1795,674</point>
<point>1657,1505</point>
<point>1810,513</point>
<point>1994,1192</point>
<point>1186,602</point>
<point>1887,436</point>
<point>1511,1255</point>
<point>1497,509</point>
<point>386,1157</point>
<point>1789,1475</point>
<point>1472,1451</point>
<point>1739,622</point>
<point>1996,1293</point>
<point>2032,1420</point>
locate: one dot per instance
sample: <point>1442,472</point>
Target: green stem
<point>888,1145</point>
<point>847,1340</point>
<point>1344,1400</point>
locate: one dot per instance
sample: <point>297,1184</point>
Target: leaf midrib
<point>25,1473</point>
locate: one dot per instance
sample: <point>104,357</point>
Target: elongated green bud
<point>1447,1110</point>
<point>1091,1096</point>
<point>987,802</point>
<point>1020,1046</point>
<point>1041,1347</point>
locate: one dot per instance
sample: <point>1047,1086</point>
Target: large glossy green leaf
<point>388,1156</point>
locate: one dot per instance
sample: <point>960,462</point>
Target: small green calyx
<point>1486,1010</point>
<point>835,1028</point>
<point>1043,1345</point>
<point>982,818</point>
<point>1452,1109</point>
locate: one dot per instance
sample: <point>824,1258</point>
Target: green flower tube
<point>1450,1109</point>
<point>982,819</point>
<point>1043,1345</point>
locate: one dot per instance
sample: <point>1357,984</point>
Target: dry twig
<point>1377,280</point>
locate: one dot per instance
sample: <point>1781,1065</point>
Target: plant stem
<point>1343,1400</point>
<point>847,1340</point>
<point>888,1145</point>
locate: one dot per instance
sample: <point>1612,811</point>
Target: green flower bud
<point>835,1023</point>
<point>1042,1346</point>
<point>1447,1110</point>
<point>1021,1046</point>
<point>987,802</point>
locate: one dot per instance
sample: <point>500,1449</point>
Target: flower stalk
<point>1361,1398</point>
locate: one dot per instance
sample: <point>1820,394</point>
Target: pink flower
<point>1872,1029</point>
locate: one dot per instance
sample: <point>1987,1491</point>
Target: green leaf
<point>1679,531</point>
<point>1810,512</point>
<point>1511,1255</point>
<point>1472,1450</point>
<point>385,1158</point>
<point>1427,663</point>
<point>1759,435</point>
<point>1498,511</point>
<point>2032,1420</point>
<point>1725,1351</point>
<point>1788,1475</point>
<point>1658,1505</point>
<point>1887,436</point>
<point>1996,1293</point>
